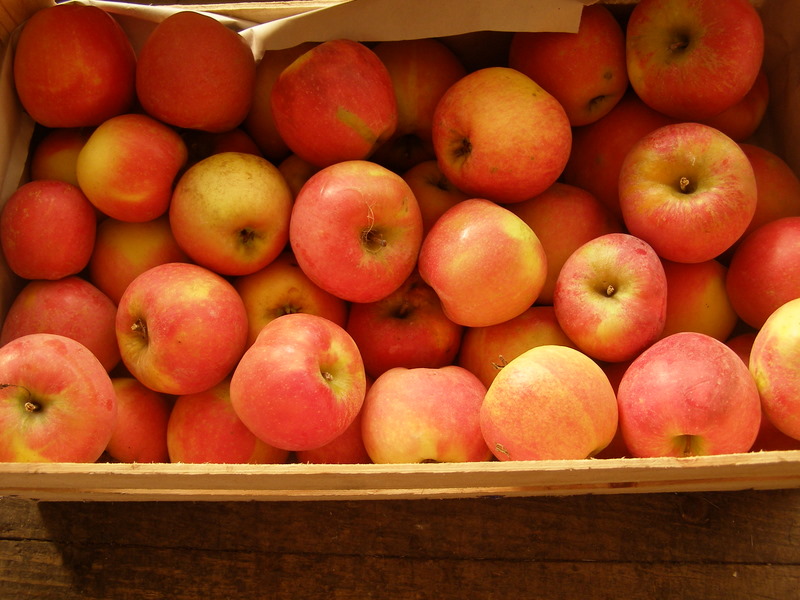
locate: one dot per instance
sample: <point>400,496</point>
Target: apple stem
<point>32,406</point>
<point>610,290</point>
<point>502,362</point>
<point>140,327</point>
<point>327,376</point>
<point>373,240</point>
<point>685,184</point>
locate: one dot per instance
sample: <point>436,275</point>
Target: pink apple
<point>58,401</point>
<point>346,449</point>
<point>688,190</point>
<point>498,135</point>
<point>611,297</point>
<point>692,59</point>
<point>433,191</point>
<point>688,395</point>
<point>742,120</point>
<point>47,230</point>
<point>424,415</point>
<point>356,230</point>
<point>301,384</point>
<point>484,262</point>
<point>551,402</point>
<point>181,328</point>
<point>56,154</point>
<point>140,434</point>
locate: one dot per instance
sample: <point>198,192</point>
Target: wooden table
<point>724,545</point>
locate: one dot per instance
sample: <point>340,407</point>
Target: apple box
<point>479,33</point>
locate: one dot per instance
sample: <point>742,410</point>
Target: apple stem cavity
<point>326,376</point>
<point>140,327</point>
<point>373,240</point>
<point>29,403</point>
<point>680,44</point>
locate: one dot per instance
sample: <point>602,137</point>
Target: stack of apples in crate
<point>348,252</point>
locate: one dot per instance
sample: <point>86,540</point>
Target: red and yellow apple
<point>140,434</point>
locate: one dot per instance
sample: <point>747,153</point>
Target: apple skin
<point>334,103</point>
<point>424,415</point>
<point>688,395</point>
<point>47,230</point>
<point>56,154</point>
<point>356,230</point>
<point>204,428</point>
<point>140,434</point>
<point>230,213</point>
<point>58,401</point>
<point>74,66</point>
<point>564,218</point>
<point>283,288</point>
<point>551,402</point>
<point>71,307</point>
<point>202,144</point>
<point>498,135</point>
<point>407,328</point>
<point>741,121</point>
<point>128,166</point>
<point>692,59</point>
<point>433,191</point>
<point>585,71</point>
<point>125,249</point>
<point>301,384</point>
<point>181,328</point>
<point>296,172</point>
<point>193,72</point>
<point>484,262</point>
<point>764,271</point>
<point>346,449</point>
<point>611,297</point>
<point>688,190</point>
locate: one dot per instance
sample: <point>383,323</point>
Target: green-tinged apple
<point>498,135</point>
<point>128,166</point>
<point>692,59</point>
<point>407,328</point>
<point>125,249</point>
<point>70,306</point>
<point>764,271</point>
<point>688,395</point>
<point>484,262</point>
<point>334,103</point>
<point>424,415</point>
<point>282,288</point>
<point>611,297</point>
<point>57,402</point>
<point>433,191</point>
<point>74,66</point>
<point>346,449</point>
<point>296,172</point>
<point>585,71</point>
<point>301,384</point>
<point>551,402</point>
<point>181,328</point>
<point>56,154</point>
<point>486,350</point>
<point>230,213</point>
<point>193,72</point>
<point>140,434</point>
<point>564,217</point>
<point>47,230</point>
<point>204,428</point>
<point>741,121</point>
<point>688,190</point>
<point>356,230</point>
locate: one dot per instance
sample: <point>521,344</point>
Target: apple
<point>741,121</point>
<point>356,230</point>
<point>128,166</point>
<point>282,288</point>
<point>484,262</point>
<point>47,230</point>
<point>181,328</point>
<point>301,384</point>
<point>204,428</point>
<point>140,434</point>
<point>764,271</point>
<point>550,402</point>
<point>346,449</point>
<point>693,59</point>
<point>125,249</point>
<point>485,351</point>
<point>70,306</point>
<point>296,172</point>
<point>433,191</point>
<point>55,156</point>
<point>611,297</point>
<point>407,328</point>
<point>74,66</point>
<point>564,218</point>
<point>58,401</point>
<point>498,135</point>
<point>193,72</point>
<point>423,415</point>
<point>334,103</point>
<point>585,71</point>
<point>688,190</point>
<point>202,144</point>
<point>230,213</point>
<point>616,448</point>
<point>688,395</point>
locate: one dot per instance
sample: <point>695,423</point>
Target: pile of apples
<point>348,253</point>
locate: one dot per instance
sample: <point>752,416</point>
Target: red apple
<point>140,434</point>
<point>346,449</point>
<point>433,191</point>
<point>296,172</point>
<point>56,154</point>
<point>202,144</point>
<point>741,120</point>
